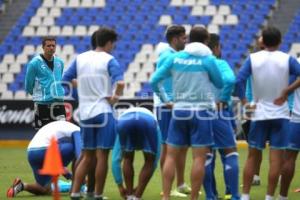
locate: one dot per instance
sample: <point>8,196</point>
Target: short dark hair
<point>94,40</point>
<point>48,38</point>
<point>105,35</point>
<point>174,31</point>
<point>199,34</point>
<point>271,36</point>
<point>214,40</point>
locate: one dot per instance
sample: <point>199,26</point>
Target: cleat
<point>297,190</point>
<point>16,187</point>
<point>175,193</point>
<point>184,188</point>
<point>227,197</point>
<point>255,182</point>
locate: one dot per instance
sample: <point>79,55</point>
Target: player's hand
<point>113,99</point>
<point>249,110</point>
<point>67,174</point>
<point>123,191</point>
<point>280,100</point>
<point>169,105</point>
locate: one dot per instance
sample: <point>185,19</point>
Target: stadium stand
<point>291,40</point>
<point>141,25</point>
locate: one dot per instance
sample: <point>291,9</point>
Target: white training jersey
<point>296,106</point>
<point>94,83</point>
<point>57,129</point>
<point>270,75</point>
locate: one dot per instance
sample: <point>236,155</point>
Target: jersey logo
<point>187,61</point>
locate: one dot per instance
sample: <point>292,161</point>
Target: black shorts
<point>46,113</point>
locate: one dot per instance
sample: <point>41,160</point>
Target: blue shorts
<point>36,159</point>
<point>163,117</point>
<point>275,130</point>
<point>138,131</point>
<point>98,132</point>
<point>190,128</point>
<point>294,137</point>
<point>232,117</point>
<point>224,136</point>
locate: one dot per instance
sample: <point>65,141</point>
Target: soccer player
<point>223,132</point>
<point>100,83</point>
<point>69,141</point>
<point>246,124</point>
<point>193,70</point>
<point>293,147</point>
<point>269,70</point>
<point>137,130</point>
<point>176,38</point>
<point>43,82</point>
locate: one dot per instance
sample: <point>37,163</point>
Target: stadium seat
<point>165,20</point>
<point>48,3</point>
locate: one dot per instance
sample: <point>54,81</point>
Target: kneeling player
<point>69,141</point>
<point>137,130</point>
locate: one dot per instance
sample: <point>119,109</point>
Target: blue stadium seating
<point>293,33</point>
<point>137,23</point>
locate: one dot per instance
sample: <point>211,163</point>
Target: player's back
<point>270,75</point>
<point>57,129</point>
<point>270,71</point>
<point>193,72</point>
<point>94,83</point>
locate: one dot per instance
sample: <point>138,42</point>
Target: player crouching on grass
<point>69,141</point>
<point>137,130</point>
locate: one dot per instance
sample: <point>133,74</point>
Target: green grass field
<point>13,163</point>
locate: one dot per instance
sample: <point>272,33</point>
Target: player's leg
<point>145,174</point>
<point>105,139</point>
<point>225,141</point>
<point>288,170</point>
<point>208,182</point>
<point>128,171</point>
<point>101,171</point>
<point>290,156</point>
<point>182,187</point>
<point>88,156</point>
<point>169,170</point>
<point>81,171</point>
<point>201,139</point>
<point>178,138</point>
<point>278,142</point>
<point>257,137</point>
<point>163,118</point>
<point>249,169</point>
<point>231,172</point>
<point>198,170</point>
<point>256,177</point>
<point>42,185</point>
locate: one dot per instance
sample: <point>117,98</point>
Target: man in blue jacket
<point>43,82</point>
<point>193,70</point>
<point>137,130</point>
<point>223,131</point>
<point>176,38</point>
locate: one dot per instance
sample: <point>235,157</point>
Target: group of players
<point>193,88</point>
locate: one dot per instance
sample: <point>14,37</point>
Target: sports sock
<point>232,173</point>
<point>268,197</point>
<point>282,198</point>
<point>245,197</point>
<point>208,177</point>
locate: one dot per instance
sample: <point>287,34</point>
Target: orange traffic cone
<point>53,165</point>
